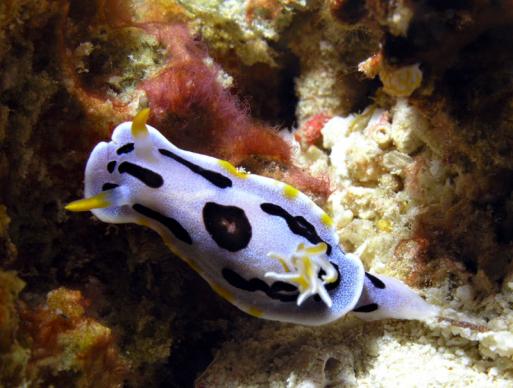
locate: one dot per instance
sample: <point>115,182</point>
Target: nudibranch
<point>261,244</point>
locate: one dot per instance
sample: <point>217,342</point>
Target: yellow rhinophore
<point>142,140</point>
<point>139,123</point>
<point>98,201</point>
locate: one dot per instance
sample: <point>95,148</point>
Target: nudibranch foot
<point>302,270</point>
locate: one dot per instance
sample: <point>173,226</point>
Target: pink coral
<point>310,132</point>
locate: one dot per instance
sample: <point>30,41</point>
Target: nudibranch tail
<point>385,297</point>
<point>142,139</point>
<point>302,269</point>
<point>114,197</point>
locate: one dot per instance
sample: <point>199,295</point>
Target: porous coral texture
<point>382,187</point>
<point>423,182</point>
<point>56,343</point>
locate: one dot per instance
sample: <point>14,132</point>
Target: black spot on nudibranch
<point>108,186</point>
<point>297,224</point>
<point>275,291</point>
<point>366,308</point>
<point>125,149</point>
<point>148,177</point>
<point>173,225</point>
<point>111,166</point>
<point>213,177</point>
<point>378,283</point>
<point>227,225</point>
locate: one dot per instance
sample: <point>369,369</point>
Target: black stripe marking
<point>378,283</point>
<point>108,186</point>
<point>148,177</point>
<point>275,291</point>
<point>125,149</point>
<point>213,177</point>
<point>366,308</point>
<point>111,166</point>
<point>329,286</point>
<point>173,225</point>
<point>297,224</point>
<point>228,226</point>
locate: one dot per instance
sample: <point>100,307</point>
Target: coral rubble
<point>55,343</point>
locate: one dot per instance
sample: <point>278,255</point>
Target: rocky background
<point>395,116</point>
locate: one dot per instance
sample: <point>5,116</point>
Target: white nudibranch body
<point>260,243</point>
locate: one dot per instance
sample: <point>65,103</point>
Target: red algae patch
<point>194,110</point>
<point>310,132</point>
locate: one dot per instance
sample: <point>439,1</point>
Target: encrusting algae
<point>55,343</point>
